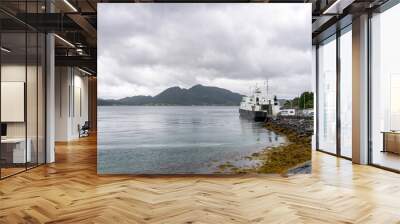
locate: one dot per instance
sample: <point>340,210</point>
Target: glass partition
<point>327,95</point>
<point>385,89</point>
<point>14,153</point>
<point>346,93</point>
<point>22,77</point>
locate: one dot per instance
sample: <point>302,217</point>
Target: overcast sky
<point>146,48</point>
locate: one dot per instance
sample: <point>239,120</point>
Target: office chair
<point>84,130</point>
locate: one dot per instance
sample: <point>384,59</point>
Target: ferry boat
<point>258,106</point>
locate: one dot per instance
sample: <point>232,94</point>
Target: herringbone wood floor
<point>69,191</point>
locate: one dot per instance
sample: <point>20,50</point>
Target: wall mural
<point>204,88</point>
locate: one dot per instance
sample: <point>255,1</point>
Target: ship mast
<point>267,88</point>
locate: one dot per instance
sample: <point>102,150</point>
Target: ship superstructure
<point>259,105</point>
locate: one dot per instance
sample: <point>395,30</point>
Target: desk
<point>391,141</point>
<point>19,155</point>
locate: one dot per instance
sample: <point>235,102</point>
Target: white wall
<point>17,73</point>
<point>12,73</point>
<point>71,102</point>
<point>79,111</point>
<point>33,126</point>
<point>62,82</point>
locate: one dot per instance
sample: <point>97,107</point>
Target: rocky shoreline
<point>291,158</point>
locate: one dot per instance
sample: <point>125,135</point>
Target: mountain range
<point>198,95</point>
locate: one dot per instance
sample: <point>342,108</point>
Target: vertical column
<point>360,90</point>
<point>50,92</point>
<point>50,99</point>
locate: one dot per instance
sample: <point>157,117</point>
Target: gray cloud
<point>145,48</point>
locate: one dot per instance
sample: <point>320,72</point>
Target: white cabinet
<point>19,155</point>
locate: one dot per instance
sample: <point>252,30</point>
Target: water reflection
<point>170,140</point>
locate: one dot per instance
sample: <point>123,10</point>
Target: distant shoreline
<point>196,95</point>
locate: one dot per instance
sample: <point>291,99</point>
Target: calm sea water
<point>176,140</point>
